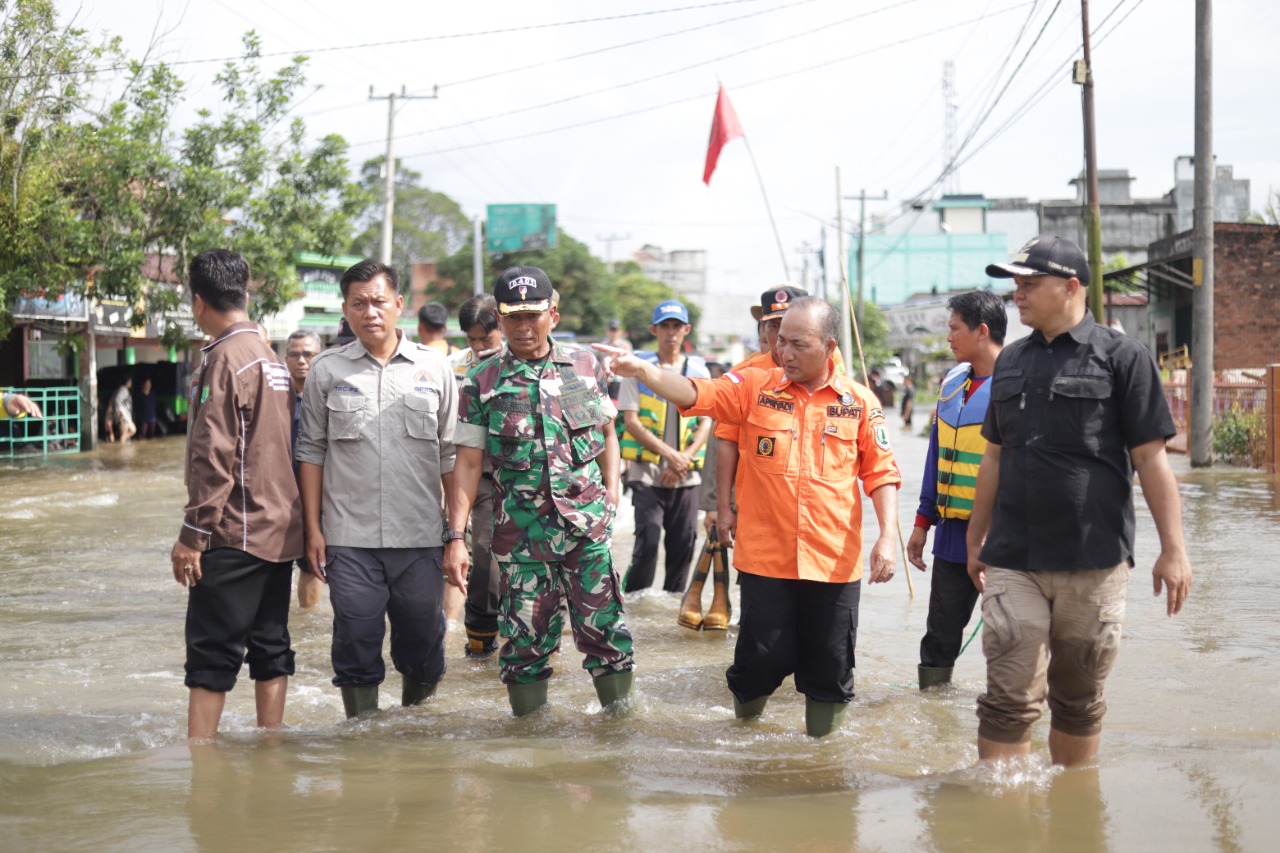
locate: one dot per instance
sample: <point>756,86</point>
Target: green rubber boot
<point>747,710</point>
<point>413,693</point>
<point>932,676</point>
<point>527,698</point>
<point>822,718</point>
<point>359,700</point>
<point>614,686</point>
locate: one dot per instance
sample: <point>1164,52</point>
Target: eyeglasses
<point>308,355</point>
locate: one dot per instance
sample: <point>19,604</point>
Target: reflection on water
<point>92,714</point>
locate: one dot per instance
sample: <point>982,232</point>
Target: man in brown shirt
<point>242,527</point>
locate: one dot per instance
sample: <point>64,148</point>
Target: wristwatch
<point>450,534</point>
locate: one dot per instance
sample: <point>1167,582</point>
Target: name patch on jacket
<point>511,404</point>
<point>765,445</point>
<point>775,404</point>
<point>844,411</point>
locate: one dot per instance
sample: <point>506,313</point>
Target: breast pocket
<point>585,436</point>
<point>839,445</point>
<point>1009,399</point>
<point>1078,411</point>
<point>345,416</point>
<point>769,440</point>
<point>420,418</point>
<point>512,440</point>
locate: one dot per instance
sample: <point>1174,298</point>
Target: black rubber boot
<point>747,710</point>
<point>613,687</point>
<point>359,700</point>
<point>527,698</point>
<point>413,693</point>
<point>932,676</point>
<point>822,718</point>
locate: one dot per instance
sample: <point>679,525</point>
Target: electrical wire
<point>392,43</point>
<point>825,27</point>
<point>737,87</point>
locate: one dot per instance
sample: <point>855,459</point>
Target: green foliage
<point>637,296</point>
<point>1240,437</point>
<point>428,225</point>
<point>587,292</point>
<point>91,195</point>
<point>875,336</point>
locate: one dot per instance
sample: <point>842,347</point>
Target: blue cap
<point>670,310</point>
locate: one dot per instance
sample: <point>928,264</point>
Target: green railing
<point>57,432</point>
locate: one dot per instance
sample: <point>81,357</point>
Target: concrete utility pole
<point>389,167</point>
<point>846,325</point>
<point>1202,247</point>
<point>1093,211</point>
<point>477,258</point>
<point>862,231</point>
<point>608,247</point>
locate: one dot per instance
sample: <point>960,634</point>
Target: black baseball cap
<point>344,336</point>
<point>522,289</point>
<point>775,301</point>
<point>1045,255</point>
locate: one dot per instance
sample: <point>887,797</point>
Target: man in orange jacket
<point>806,435</point>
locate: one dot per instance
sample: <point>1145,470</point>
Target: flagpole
<point>782,255</point>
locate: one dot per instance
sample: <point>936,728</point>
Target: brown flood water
<point>92,714</point>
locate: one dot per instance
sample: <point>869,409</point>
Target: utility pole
<point>477,261</point>
<point>389,167</point>
<point>1083,75</point>
<point>608,247</point>
<point>1202,247</point>
<point>846,326</point>
<point>862,230</point>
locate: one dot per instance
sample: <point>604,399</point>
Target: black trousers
<point>952,596</point>
<point>484,581</point>
<point>805,628</point>
<point>659,510</point>
<point>369,587</point>
<point>237,612</point>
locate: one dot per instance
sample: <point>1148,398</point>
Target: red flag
<point>724,127</point>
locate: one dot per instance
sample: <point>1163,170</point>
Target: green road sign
<point>520,227</point>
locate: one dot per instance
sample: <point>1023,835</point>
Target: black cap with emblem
<point>522,289</point>
<point>775,301</point>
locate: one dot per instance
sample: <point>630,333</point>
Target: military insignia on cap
<point>522,283</point>
<point>781,296</point>
<point>846,399</point>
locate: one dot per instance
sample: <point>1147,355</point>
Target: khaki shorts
<point>1048,635</point>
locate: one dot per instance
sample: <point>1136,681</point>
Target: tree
<point>636,296</point>
<point>587,291</point>
<point>428,224</point>
<point>91,193</point>
<point>44,76</point>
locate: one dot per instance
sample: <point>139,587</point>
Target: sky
<point>609,119</point>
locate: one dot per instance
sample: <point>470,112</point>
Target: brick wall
<point>1246,304</point>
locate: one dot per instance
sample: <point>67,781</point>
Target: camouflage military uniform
<point>541,426</point>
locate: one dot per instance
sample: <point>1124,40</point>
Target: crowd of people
<point>390,470</point>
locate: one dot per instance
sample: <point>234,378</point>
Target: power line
<point>393,43</point>
<point>737,87</point>
<point>827,25</point>
<point>626,44</point>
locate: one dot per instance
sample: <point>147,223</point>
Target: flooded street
<point>93,713</point>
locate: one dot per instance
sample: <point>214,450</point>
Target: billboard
<point>521,227</point>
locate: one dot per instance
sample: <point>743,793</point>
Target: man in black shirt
<point>1075,409</point>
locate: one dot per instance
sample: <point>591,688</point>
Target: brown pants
<point>1049,634</point>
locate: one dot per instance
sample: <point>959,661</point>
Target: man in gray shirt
<point>375,444</point>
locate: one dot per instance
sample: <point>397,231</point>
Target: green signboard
<point>520,227</point>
